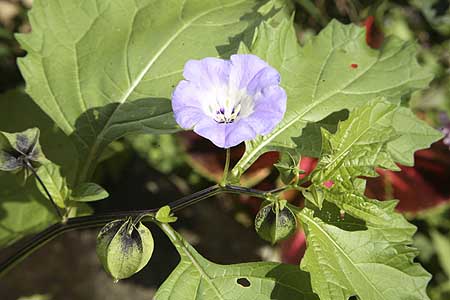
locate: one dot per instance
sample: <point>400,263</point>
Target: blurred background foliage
<point>143,171</point>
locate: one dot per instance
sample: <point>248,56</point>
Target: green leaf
<point>197,278</point>
<point>442,246</point>
<point>374,213</point>
<point>359,145</point>
<point>414,134</point>
<point>23,208</point>
<point>104,68</point>
<point>314,194</point>
<point>319,79</point>
<point>377,134</point>
<point>288,166</point>
<point>310,142</point>
<point>164,215</point>
<point>87,192</point>
<point>360,263</point>
<point>333,215</point>
<point>55,183</point>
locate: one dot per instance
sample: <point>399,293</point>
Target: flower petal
<point>207,73</point>
<point>213,131</point>
<point>185,94</point>
<point>266,77</point>
<point>238,132</point>
<point>269,110</point>
<point>186,104</point>
<point>225,135</point>
<point>189,117</point>
<point>244,68</point>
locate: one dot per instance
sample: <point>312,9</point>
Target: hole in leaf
<point>244,282</point>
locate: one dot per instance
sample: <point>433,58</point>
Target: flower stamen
<point>226,115</point>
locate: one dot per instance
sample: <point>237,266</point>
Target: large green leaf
<point>334,71</point>
<point>361,263</point>
<point>197,278</point>
<point>104,68</point>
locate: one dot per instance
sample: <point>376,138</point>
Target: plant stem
<point>97,220</point>
<point>234,189</point>
<point>55,207</point>
<point>223,182</point>
<point>170,233</point>
<point>295,186</point>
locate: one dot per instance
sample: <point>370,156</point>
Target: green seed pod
<point>274,223</point>
<point>124,249</point>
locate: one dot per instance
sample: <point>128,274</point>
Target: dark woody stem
<point>29,246</point>
<point>55,207</point>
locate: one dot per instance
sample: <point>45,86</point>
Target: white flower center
<point>226,104</point>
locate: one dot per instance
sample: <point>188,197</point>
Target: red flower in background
<point>418,188</point>
<point>374,36</point>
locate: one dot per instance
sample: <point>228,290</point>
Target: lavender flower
<point>229,101</point>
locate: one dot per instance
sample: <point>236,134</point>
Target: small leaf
<point>56,184</point>
<point>288,166</point>
<point>274,223</point>
<point>314,195</point>
<point>414,134</point>
<point>124,249</point>
<point>164,215</point>
<point>87,192</point>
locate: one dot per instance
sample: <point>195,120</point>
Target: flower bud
<point>123,248</point>
<point>274,222</point>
